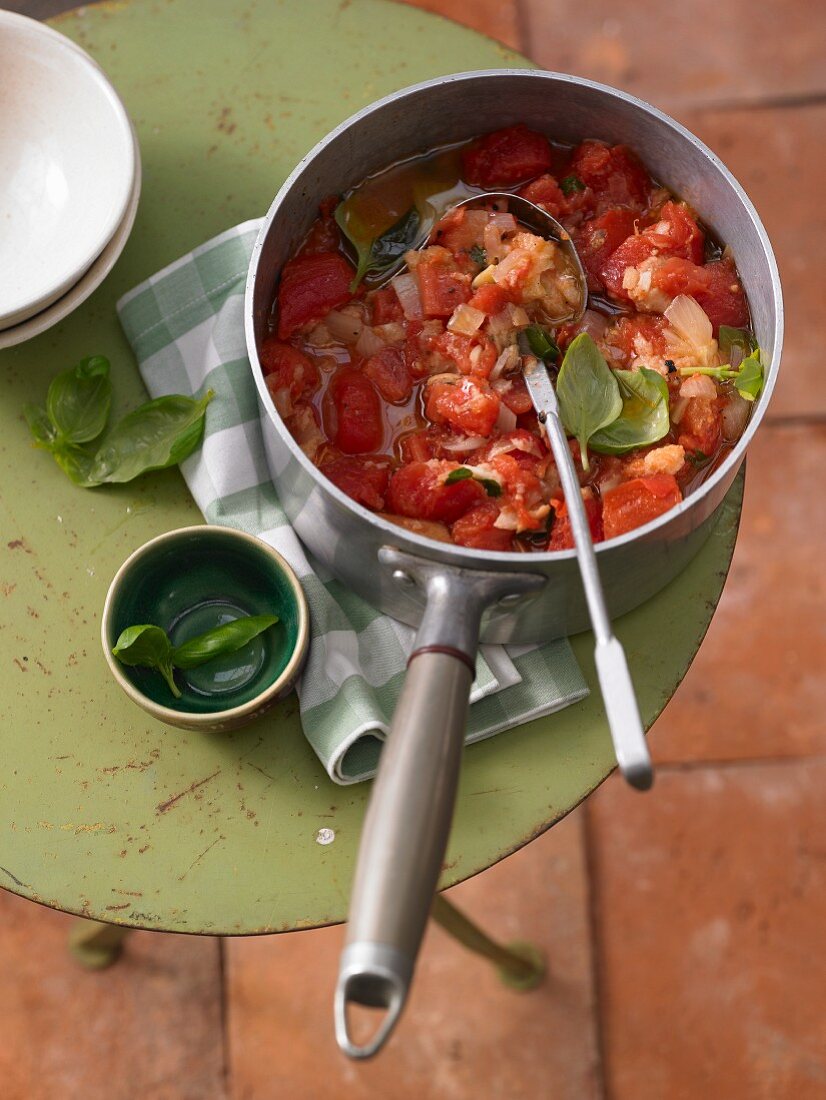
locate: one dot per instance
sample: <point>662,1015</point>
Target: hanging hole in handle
<point>360,1030</point>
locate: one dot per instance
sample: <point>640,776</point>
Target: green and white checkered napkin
<point>186,327</point>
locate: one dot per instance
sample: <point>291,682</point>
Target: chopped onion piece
<point>677,411</point>
<point>369,342</point>
<point>506,421</point>
<point>734,415</point>
<point>689,333</point>
<point>503,446</point>
<point>507,520</point>
<point>503,222</point>
<point>391,332</point>
<point>699,385</point>
<point>343,326</point>
<point>407,291</point>
<point>466,320</point>
<point>507,361</point>
<point>471,443</point>
<point>689,320</point>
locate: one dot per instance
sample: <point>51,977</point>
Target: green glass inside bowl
<point>192,582</point>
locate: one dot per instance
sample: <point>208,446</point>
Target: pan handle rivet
<point>510,599</point>
<point>403,578</point>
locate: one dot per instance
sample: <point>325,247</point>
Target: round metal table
<point>103,811</point>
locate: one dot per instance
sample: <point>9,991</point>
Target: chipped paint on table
<point>103,811</point>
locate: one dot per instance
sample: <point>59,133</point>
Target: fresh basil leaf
<point>78,400</point>
<point>534,340</point>
<point>644,418</point>
<point>43,430</point>
<point>588,393</point>
<point>386,250</point>
<point>226,638</point>
<point>149,647</point>
<point>478,255</point>
<point>729,338</point>
<point>749,379</point>
<point>569,184</point>
<point>76,464</point>
<point>159,434</point>
<point>491,486</point>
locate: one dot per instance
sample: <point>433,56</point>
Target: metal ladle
<point>612,668</point>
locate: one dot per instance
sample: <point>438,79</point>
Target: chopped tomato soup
<point>405,387</point>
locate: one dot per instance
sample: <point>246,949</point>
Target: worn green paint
<point>103,811</point>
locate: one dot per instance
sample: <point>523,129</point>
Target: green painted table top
<point>103,811</point>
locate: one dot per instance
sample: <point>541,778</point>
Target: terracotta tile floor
<point>685,929</point>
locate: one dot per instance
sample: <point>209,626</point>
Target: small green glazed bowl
<point>187,582</point>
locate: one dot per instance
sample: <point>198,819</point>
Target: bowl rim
<point>485,558</point>
<point>233,715</point>
<point>52,292</point>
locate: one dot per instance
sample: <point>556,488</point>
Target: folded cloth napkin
<point>186,327</point>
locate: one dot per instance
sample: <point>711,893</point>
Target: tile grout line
<point>591,872</point>
<point>224,1016</point>
<point>739,762</point>
<point>523,29</point>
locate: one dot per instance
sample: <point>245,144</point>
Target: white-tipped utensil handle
<point>623,714</point>
<point>618,695</point>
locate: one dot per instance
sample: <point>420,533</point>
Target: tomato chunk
<point>545,192</point>
<point>636,502</point>
<point>359,427</point>
<point>287,368</point>
<point>441,289</point>
<point>324,236</point>
<point>599,238</point>
<point>391,374</point>
<point>311,285</point>
<point>469,405</point>
<point>506,157</point>
<point>723,298</point>
<point>476,529</point>
<point>386,306</point>
<point>614,173</point>
<point>675,234</point>
<point>701,427</point>
<point>418,490</point>
<point>490,299</point>
<point>562,533</point>
<point>363,479</point>
<point>471,354</point>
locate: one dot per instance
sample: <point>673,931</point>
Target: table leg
<point>521,965</point>
<point>95,945</point>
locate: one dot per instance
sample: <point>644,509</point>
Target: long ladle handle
<point>615,683</point>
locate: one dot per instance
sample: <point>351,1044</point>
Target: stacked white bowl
<point>69,177</point>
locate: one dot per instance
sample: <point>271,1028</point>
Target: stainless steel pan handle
<point>408,819</point>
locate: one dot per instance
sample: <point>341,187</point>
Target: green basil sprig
<point>489,484</point>
<point>588,393</point>
<point>383,253</point>
<point>149,646</point>
<point>158,434</point>
<point>569,184</point>
<point>747,379</point>
<point>478,255</point>
<point>644,418</point>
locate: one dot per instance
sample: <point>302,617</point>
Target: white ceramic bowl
<point>67,165</point>
<point>89,281</point>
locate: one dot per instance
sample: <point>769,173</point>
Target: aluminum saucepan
<point>451,592</point>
